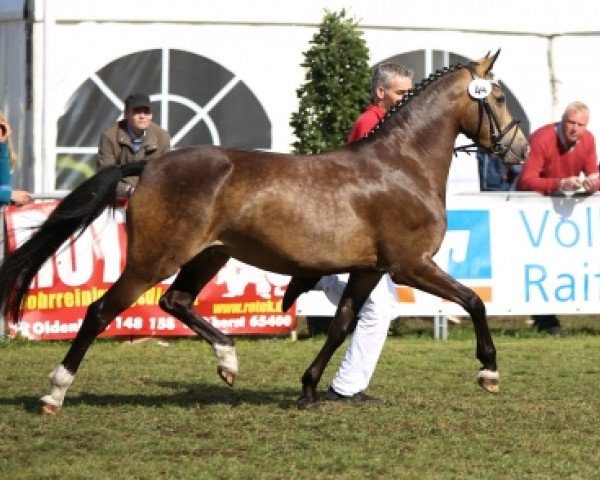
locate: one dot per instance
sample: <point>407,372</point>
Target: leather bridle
<point>497,133</point>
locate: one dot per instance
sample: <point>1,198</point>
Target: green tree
<point>337,85</point>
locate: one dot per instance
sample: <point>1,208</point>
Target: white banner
<point>521,252</point>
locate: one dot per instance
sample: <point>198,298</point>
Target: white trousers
<point>366,343</point>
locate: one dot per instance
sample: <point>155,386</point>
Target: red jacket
<point>549,161</point>
<point>365,122</point>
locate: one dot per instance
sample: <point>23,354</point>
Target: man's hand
<point>570,184</point>
<point>5,131</point>
<point>591,182</point>
<point>21,197</point>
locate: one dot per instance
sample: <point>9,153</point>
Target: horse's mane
<point>412,93</point>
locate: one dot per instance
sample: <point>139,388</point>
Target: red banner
<point>240,300</point>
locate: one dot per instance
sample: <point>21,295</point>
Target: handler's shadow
<point>182,395</point>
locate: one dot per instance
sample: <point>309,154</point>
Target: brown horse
<point>375,206</point>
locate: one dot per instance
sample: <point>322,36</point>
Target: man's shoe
<point>360,397</point>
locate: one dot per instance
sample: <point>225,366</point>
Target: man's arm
<point>106,153</point>
<point>106,157</point>
<point>531,178</point>
<point>5,187</point>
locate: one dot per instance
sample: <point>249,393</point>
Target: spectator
<point>562,158</point>
<point>390,83</point>
<point>559,153</point>
<point>133,138</point>
<point>9,195</point>
<point>494,176</point>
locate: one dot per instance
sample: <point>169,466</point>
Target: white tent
<point>227,72</point>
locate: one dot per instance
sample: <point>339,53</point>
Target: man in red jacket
<point>562,158</point>
<point>389,85</point>
<point>560,153</point>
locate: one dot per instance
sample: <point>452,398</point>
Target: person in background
<point>135,137</point>
<point>494,176</point>
<point>562,158</point>
<point>389,84</point>
<point>8,195</point>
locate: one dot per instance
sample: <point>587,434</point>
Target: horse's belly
<point>302,261</point>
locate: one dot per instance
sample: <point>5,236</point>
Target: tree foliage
<point>336,88</point>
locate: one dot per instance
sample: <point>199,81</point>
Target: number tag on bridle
<point>480,88</point>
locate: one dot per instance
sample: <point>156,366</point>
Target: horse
<point>371,207</point>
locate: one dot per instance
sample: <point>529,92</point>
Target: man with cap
<point>135,137</point>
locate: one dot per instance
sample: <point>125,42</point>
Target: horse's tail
<point>74,213</point>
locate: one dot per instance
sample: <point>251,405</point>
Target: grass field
<point>146,411</point>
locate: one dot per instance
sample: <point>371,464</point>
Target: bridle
<point>497,133</point>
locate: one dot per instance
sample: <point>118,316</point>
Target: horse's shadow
<point>184,395</point>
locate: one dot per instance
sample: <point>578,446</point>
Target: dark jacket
<point>116,148</point>
<point>494,175</point>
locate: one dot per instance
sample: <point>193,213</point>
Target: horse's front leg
<point>296,287</point>
<point>432,279</point>
<point>346,316</point>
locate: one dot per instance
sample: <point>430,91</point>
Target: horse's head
<point>488,122</point>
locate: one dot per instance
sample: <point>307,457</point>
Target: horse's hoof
<point>48,409</point>
<point>227,375</point>
<point>491,386</point>
<point>489,380</point>
<point>305,403</point>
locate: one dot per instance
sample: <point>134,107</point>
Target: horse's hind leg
<point>359,286</point>
<point>98,316</point>
<point>178,301</point>
<point>428,277</point>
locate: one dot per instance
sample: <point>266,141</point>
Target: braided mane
<point>414,92</point>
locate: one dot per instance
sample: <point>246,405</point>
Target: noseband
<point>497,133</point>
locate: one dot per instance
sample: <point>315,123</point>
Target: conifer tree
<point>337,85</point>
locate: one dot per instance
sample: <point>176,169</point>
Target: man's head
<point>575,120</point>
<point>390,83</point>
<point>138,112</point>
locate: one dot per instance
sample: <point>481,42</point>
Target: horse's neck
<point>423,139</point>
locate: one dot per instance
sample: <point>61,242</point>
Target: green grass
<point>144,411</point>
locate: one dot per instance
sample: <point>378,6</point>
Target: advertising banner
<point>521,252</point>
<point>240,300</point>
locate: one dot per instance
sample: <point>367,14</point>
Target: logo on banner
<point>465,253</point>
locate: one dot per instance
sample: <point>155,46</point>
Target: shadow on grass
<point>187,395</point>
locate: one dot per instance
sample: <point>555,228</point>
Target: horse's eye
<point>500,100</point>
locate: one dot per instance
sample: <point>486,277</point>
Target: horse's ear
<point>492,61</point>
<point>484,65</point>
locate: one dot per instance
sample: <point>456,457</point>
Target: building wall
<point>544,60</point>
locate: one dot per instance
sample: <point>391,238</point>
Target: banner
<point>240,300</point>
<point>522,253</point>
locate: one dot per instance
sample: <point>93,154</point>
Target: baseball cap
<point>137,100</point>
